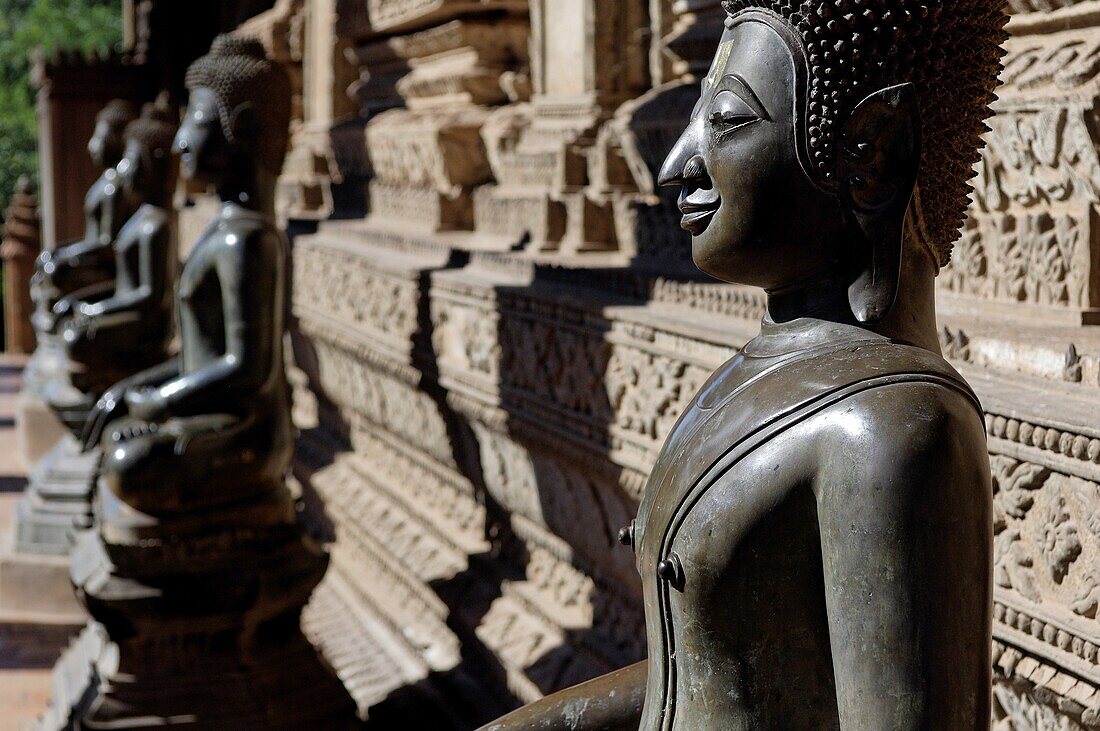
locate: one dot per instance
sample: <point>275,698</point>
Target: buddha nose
<point>684,165</point>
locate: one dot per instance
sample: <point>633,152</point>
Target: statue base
<point>75,679</point>
<point>201,625</point>
<point>37,427</point>
<point>284,689</point>
<point>36,588</point>
<point>57,500</point>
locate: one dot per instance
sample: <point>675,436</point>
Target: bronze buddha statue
<point>114,332</point>
<point>224,399</point>
<point>197,569</point>
<point>815,540</point>
<point>107,333</point>
<point>84,266</point>
<point>87,265</point>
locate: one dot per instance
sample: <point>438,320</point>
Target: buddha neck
<point>251,188</point>
<point>911,320</point>
<point>913,316</point>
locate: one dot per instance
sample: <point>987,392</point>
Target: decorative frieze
<point>1031,238</point>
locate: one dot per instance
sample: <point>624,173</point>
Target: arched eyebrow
<point>737,85</point>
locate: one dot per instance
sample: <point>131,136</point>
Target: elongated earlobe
<point>878,166</point>
<point>245,126</point>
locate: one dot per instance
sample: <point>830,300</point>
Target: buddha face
<point>201,143</point>
<point>106,145</point>
<point>754,215</point>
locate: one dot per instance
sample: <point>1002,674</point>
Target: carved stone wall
<point>492,348</point>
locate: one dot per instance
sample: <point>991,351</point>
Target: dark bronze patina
<point>197,569</point>
<point>125,326</point>
<point>87,266</point>
<point>815,539</point>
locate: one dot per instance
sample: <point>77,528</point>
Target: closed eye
<point>730,113</point>
<point>726,123</point>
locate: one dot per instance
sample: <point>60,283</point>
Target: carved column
<point>540,151</point>
<point>446,64</point>
<point>22,242</point>
<point>634,144</point>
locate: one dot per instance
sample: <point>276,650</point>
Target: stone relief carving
<point>1016,710</point>
<point>1031,229</point>
<point>526,366</point>
<point>1048,542</point>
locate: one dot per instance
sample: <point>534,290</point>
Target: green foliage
<point>26,25</point>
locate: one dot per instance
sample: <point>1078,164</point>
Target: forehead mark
<point>720,59</point>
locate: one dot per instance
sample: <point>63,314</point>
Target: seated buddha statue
<point>87,266</point>
<point>196,568</point>
<point>814,541</point>
<point>212,426</point>
<point>113,333</point>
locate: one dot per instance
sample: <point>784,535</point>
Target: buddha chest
<point>728,545</point>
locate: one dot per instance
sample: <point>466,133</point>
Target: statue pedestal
<point>37,427</point>
<point>34,554</point>
<point>201,622</point>
<point>58,497</point>
<point>36,587</point>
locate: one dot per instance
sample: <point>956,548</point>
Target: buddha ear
<point>245,125</point>
<point>878,165</point>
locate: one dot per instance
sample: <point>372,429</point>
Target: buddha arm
<point>70,255</point>
<point>248,287</point>
<point>111,405</point>
<point>904,505</point>
<point>91,293</point>
<point>612,702</point>
<point>151,280</point>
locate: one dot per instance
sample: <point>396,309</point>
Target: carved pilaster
<point>634,144</point>
<point>445,65</point>
<point>21,244</point>
<point>540,152</point>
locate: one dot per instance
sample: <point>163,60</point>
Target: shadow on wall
<point>546,468</point>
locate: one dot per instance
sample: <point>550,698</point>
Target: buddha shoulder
<point>153,220</point>
<point>904,435</point>
<point>244,233</point>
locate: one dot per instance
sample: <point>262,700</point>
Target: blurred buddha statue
<point>213,425</point>
<point>114,332</point>
<point>815,540</point>
<point>197,568</point>
<point>107,333</point>
<point>87,266</point>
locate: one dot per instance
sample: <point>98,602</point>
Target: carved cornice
<point>1046,16</point>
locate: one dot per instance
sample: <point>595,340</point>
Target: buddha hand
<point>146,404</point>
<point>77,325</point>
<point>110,406</point>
